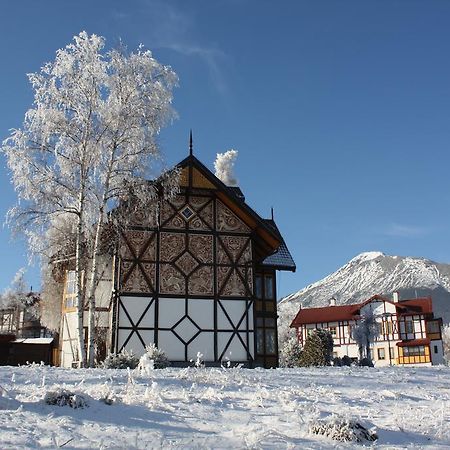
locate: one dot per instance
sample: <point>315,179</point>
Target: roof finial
<point>191,150</point>
<point>271,212</point>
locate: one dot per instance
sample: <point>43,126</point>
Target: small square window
<point>381,353</point>
<point>187,212</point>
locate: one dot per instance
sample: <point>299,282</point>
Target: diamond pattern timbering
<point>246,274</point>
<point>142,218</point>
<point>186,329</point>
<point>232,282</point>
<point>171,280</point>
<point>238,248</point>
<point>198,202</point>
<point>186,263</point>
<point>201,281</point>
<point>170,218</point>
<point>207,215</point>
<point>204,219</point>
<point>138,245</point>
<point>234,287</point>
<point>172,245</point>
<point>137,277</point>
<point>228,221</point>
<point>201,246</point>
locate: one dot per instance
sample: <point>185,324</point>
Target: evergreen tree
<point>318,349</point>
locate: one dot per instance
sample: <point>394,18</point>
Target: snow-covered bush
<point>152,352</point>
<point>318,349</point>
<point>346,361</point>
<point>122,360</point>
<point>64,397</point>
<point>198,362</point>
<point>343,430</point>
<point>146,365</point>
<point>7,402</point>
<point>337,362</point>
<point>365,362</point>
<point>290,353</point>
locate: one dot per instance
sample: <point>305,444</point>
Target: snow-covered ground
<point>223,408</point>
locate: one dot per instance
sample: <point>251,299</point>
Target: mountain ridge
<point>371,273</point>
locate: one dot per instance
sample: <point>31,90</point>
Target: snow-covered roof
<point>33,341</point>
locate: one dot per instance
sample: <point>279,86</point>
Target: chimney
<point>396,297</point>
<point>332,301</point>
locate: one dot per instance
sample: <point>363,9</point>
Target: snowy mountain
<point>375,273</point>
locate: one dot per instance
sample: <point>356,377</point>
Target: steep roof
<point>194,174</point>
<point>338,313</point>
<point>282,258</point>
<point>325,314</point>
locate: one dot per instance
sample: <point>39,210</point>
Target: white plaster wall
<point>135,307</point>
<point>196,329</point>
<point>69,340</point>
<point>171,310</point>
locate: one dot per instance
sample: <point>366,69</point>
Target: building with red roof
<point>400,331</point>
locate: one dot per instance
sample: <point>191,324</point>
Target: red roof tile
<point>422,305</point>
<point>413,343</point>
<point>325,314</point>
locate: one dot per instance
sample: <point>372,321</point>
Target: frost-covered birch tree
<point>364,333</point>
<point>87,145</point>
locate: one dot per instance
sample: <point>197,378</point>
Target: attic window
<point>187,213</point>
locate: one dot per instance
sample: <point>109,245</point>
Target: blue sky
<point>340,111</point>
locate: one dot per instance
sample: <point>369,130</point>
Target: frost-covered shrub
<point>346,361</point>
<point>64,397</point>
<point>365,362</point>
<point>318,349</point>
<point>7,402</point>
<point>122,360</point>
<point>160,360</point>
<point>198,362</point>
<point>337,362</point>
<point>290,353</point>
<point>146,364</point>
<point>343,430</point>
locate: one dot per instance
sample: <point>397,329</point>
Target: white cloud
<point>170,27</point>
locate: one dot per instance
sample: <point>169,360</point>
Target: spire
<point>191,150</point>
<point>271,212</point>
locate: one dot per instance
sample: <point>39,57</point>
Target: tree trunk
<point>79,276</point>
<point>368,349</point>
<point>92,331</point>
<point>91,296</point>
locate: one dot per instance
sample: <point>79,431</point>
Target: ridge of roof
<point>336,313</point>
<point>231,191</point>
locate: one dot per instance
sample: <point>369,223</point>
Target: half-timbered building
<point>405,332</point>
<point>200,278</point>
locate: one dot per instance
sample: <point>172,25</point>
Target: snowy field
<point>224,408</point>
